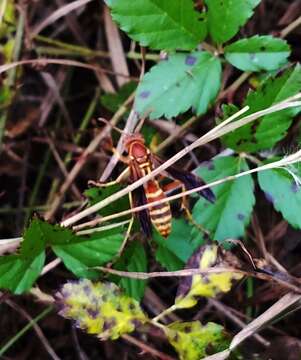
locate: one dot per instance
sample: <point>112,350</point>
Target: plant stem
<point>27,327</point>
<point>63,48</point>
<point>290,27</point>
<point>225,127</point>
<point>164,313</point>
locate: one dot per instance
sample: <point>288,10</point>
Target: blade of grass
<point>27,327</point>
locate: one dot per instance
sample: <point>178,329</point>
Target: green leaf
<point>81,254</point>
<point>78,253</point>
<point>133,259</point>
<point>96,194</point>
<point>192,340</point>
<point>168,259</point>
<point>206,285</point>
<point>160,24</point>
<point>284,193</point>
<point>225,17</point>
<point>18,273</point>
<point>228,216</point>
<point>179,83</point>
<point>173,252</point>
<point>34,241</point>
<point>113,102</point>
<point>265,132</point>
<point>258,53</point>
<point>100,308</point>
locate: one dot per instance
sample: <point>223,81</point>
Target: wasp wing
<point>189,180</point>
<point>139,199</point>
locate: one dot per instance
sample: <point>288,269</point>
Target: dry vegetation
<point>74,60</point>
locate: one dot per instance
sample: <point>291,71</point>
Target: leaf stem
<point>163,314</point>
<point>276,164</point>
<point>292,26</point>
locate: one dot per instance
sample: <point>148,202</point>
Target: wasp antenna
<point>107,122</point>
<point>141,122</point>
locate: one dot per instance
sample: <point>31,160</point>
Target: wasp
<point>140,162</point>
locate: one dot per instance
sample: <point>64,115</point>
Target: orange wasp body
<point>141,162</point>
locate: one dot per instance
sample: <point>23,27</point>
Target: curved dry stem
<point>213,134</point>
<point>291,159</point>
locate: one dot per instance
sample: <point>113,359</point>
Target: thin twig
<point>192,272</point>
<point>64,62</point>
<point>115,46</point>
<point>129,128</point>
<point>60,12</point>
<point>146,348</point>
<point>27,327</point>
<point>175,134</point>
<point>102,228</point>
<point>36,328</point>
<point>229,314</point>
<point>62,167</point>
<point>213,134</point>
<point>82,160</point>
<point>284,32</point>
<point>50,266</point>
<point>292,158</point>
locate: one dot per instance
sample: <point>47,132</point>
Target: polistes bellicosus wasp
<point>141,161</point>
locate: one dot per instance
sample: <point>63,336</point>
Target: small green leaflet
<point>160,24</point>
<point>230,214</point>
<point>225,17</point>
<point>81,254</point>
<point>132,259</point>
<point>192,340</point>
<point>99,308</point>
<point>258,53</point>
<point>179,83</point>
<point>173,252</point>
<point>285,194</point>
<point>18,273</point>
<point>113,102</point>
<point>96,194</point>
<point>265,132</point>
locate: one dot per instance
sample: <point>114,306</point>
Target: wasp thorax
<point>135,147</point>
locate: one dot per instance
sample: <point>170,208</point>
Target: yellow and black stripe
<point>160,214</point>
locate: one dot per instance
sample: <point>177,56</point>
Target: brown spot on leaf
<point>240,217</point>
<point>190,60</point>
<point>144,94</point>
<point>93,313</point>
<point>109,323</point>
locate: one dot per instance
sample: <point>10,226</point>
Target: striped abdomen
<point>160,214</point>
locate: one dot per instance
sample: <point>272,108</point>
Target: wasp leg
<point>184,206</point>
<point>120,178</point>
<point>122,158</point>
<point>129,229</point>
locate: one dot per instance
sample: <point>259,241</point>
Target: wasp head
<point>135,147</point>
